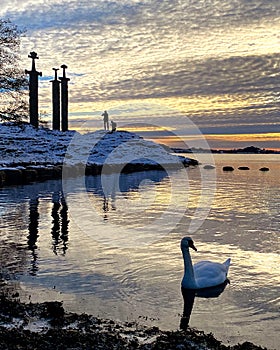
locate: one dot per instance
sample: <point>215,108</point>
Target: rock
<point>44,172</point>
<point>228,168</point>
<point>29,175</point>
<point>13,176</point>
<point>189,161</point>
<point>54,309</point>
<point>2,178</point>
<point>243,168</point>
<point>264,169</point>
<point>57,171</point>
<point>92,169</point>
<point>209,166</point>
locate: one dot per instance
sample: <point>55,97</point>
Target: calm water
<point>114,250</point>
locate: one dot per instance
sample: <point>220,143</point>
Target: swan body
<point>203,274</point>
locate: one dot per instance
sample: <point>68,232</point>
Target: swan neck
<point>188,279</point>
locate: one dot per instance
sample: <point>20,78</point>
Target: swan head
<point>187,242</point>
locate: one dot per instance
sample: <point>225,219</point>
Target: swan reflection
<point>189,297</point>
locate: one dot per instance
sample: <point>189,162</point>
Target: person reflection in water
<point>189,296</point>
<point>105,207</point>
<point>109,187</point>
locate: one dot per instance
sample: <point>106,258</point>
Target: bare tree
<point>13,82</point>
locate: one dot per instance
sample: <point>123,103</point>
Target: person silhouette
<point>114,126</point>
<point>105,116</point>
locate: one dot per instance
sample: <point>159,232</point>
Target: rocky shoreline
<point>47,326</point>
<point>22,174</point>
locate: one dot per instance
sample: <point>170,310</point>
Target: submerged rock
<point>209,167</point>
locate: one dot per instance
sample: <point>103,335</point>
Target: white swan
<point>203,274</point>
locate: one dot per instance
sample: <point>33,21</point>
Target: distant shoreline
<point>245,150</point>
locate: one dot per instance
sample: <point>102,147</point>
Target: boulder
<point>264,169</point>
<point>44,172</point>
<point>209,166</point>
<point>228,168</point>
<point>243,168</point>
<point>13,176</point>
<point>2,178</point>
<point>29,175</point>
<point>57,171</point>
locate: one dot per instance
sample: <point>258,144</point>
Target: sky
<point>179,71</point>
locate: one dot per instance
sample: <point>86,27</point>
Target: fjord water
<point>113,262</point>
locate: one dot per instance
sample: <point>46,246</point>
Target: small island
<point>29,154</point>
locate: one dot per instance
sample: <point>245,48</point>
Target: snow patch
<point>24,144</point>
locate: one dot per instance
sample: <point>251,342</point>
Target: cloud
<point>163,15</point>
<point>216,60</point>
<point>235,75</point>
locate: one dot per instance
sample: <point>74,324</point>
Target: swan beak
<point>191,245</point>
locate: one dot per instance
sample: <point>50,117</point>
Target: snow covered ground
<point>24,145</point>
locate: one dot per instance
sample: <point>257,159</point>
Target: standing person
<point>105,116</point>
